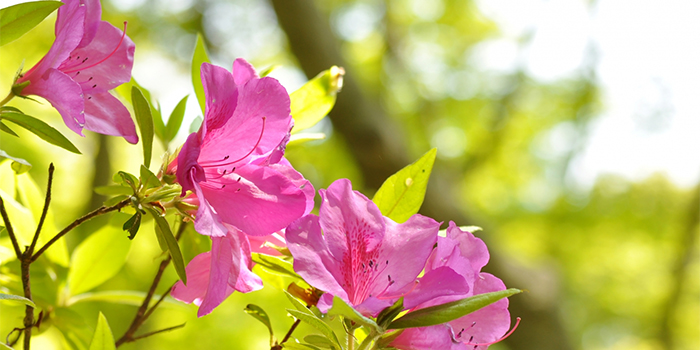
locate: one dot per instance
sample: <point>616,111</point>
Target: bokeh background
<point>568,130</point>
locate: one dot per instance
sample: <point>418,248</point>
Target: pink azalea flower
<point>460,256</point>
<point>353,252</point>
<point>88,58</point>
<point>234,163</point>
<point>212,276</point>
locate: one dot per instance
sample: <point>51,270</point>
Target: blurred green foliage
<point>619,260</point>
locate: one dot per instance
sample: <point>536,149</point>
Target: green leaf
<point>114,200</point>
<point>125,178</point>
<point>99,257</point>
<point>171,242</point>
<point>41,129</point>
<point>17,298</point>
<point>196,123</point>
<point>158,125</point>
<point>175,120</point>
<point>296,346</point>
<point>387,315</point>
<point>297,304</point>
<point>438,314</point>
<point>16,20</point>
<point>198,57</point>
<point>19,165</point>
<point>259,314</point>
<point>103,339</point>
<point>165,193</point>
<point>142,109</point>
<point>317,323</point>
<point>113,190</point>
<point>340,307</point>
<point>6,129</point>
<point>132,225</point>
<point>275,264</point>
<point>321,342</point>
<point>311,102</point>
<point>402,194</point>
<point>148,178</point>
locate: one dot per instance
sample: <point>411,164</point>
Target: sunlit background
<point>567,129</point>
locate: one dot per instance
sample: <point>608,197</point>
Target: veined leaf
<point>198,57</point>
<point>148,178</point>
<point>103,338</point>
<point>447,312</point>
<point>259,314</point>
<point>23,165</point>
<point>311,102</point>
<point>175,120</point>
<point>340,307</point>
<point>275,264</point>
<point>317,323</point>
<point>142,109</point>
<point>17,20</point>
<point>171,242</point>
<point>99,257</point>
<point>17,298</point>
<point>402,194</point>
<point>41,129</point>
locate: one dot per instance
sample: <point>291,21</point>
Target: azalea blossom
<point>461,256</point>
<point>214,275</point>
<point>234,163</point>
<point>241,183</point>
<point>351,251</point>
<point>88,58</point>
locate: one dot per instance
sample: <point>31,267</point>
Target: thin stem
<point>7,99</point>
<point>47,200</point>
<point>10,230</point>
<point>143,313</point>
<point>160,300</point>
<point>291,330</point>
<point>97,212</point>
<point>28,311</point>
<point>156,332</point>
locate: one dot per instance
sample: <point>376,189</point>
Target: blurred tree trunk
<point>376,143</point>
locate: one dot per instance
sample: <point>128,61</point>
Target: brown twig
<point>10,230</point>
<point>97,212</point>
<point>156,332</point>
<point>44,211</point>
<point>143,312</point>
<point>291,330</point>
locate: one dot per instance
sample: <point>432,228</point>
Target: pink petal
<point>221,267</point>
<point>312,260</point>
<point>197,280</point>
<point>266,202</point>
<point>259,123</point>
<point>471,247</point>
<point>207,221</point>
<point>92,20</point>
<point>64,94</point>
<point>221,96</point>
<point>303,184</point>
<point>97,67</point>
<point>438,286</point>
<point>69,32</point>
<point>243,71</point>
<point>405,250</point>
<point>427,338</point>
<point>105,114</point>
<point>241,277</point>
<point>489,323</point>
<point>188,170</point>
<point>349,218</point>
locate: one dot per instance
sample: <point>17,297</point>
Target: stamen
<point>415,285</point>
<point>104,59</point>
<point>517,322</point>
